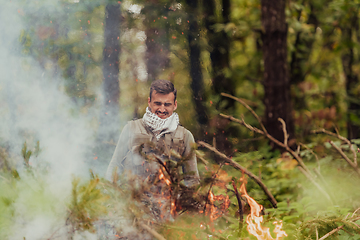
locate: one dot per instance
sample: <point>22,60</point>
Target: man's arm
<point>119,155</point>
<point>190,169</point>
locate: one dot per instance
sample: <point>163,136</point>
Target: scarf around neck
<point>160,126</point>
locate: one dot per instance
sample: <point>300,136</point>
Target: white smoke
<point>33,108</point>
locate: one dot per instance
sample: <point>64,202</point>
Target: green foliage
<point>87,204</point>
<point>26,154</point>
<point>67,41</point>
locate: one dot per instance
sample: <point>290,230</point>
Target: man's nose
<point>162,108</point>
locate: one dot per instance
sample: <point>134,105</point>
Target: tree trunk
<point>109,125</point>
<point>300,56</point>
<point>219,44</point>
<point>157,39</point>
<point>197,83</point>
<point>219,49</point>
<point>111,56</point>
<point>352,81</point>
<point>276,81</point>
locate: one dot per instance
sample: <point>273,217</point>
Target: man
<point>158,128</point>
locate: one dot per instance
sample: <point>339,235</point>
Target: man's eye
<point>158,103</point>
<point>167,104</point>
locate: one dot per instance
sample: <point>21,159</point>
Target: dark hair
<point>163,87</point>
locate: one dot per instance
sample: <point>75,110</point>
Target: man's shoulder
<point>135,124</point>
<point>183,132</point>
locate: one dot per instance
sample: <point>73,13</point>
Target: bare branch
<point>238,166</point>
<point>347,159</point>
<point>337,135</point>
<point>286,136</point>
<point>284,145</point>
<point>202,159</point>
<point>271,138</point>
<point>247,107</point>
<point>331,232</point>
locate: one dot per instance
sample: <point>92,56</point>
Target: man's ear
<point>149,102</point>
<point>175,104</point>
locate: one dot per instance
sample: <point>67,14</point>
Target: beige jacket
<point>135,133</point>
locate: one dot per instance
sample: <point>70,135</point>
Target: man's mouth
<point>161,114</point>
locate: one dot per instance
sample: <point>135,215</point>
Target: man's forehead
<point>162,96</point>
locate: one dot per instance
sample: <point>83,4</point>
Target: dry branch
<point>239,167</point>
<point>331,232</point>
<point>337,135</point>
<point>284,145</point>
<point>347,159</point>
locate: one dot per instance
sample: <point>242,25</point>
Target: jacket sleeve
<point>190,169</point>
<point>117,160</point>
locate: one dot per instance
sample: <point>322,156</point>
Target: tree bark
<point>157,39</point>
<point>219,44</point>
<point>277,98</point>
<point>352,81</point>
<point>300,56</point>
<point>109,122</point>
<point>197,83</point>
<point>111,56</point>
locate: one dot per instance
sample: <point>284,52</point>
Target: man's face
<point>162,105</point>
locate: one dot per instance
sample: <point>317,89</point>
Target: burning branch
<point>241,168</point>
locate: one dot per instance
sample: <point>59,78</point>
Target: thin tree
<point>109,120</point>
<point>219,45</point>
<point>277,98</point>
<point>111,57</point>
<point>349,28</point>
<point>156,24</point>
<point>197,82</point>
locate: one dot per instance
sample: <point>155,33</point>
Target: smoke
<point>34,108</point>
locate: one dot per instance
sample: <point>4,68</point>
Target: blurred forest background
<point>238,65</point>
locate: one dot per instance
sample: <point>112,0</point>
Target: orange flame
<point>213,211</point>
<point>168,183</point>
<point>254,219</point>
<point>162,177</point>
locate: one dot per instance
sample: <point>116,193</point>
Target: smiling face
<point>163,105</point>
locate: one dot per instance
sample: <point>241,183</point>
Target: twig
<point>248,108</point>
<point>242,122</point>
<point>312,152</point>
<point>347,159</point>
<point>151,231</point>
<point>331,232</point>
<point>337,135</point>
<point>238,166</point>
<point>202,159</point>
<point>286,135</point>
<point>271,138</point>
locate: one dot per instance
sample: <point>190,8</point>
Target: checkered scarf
<point>160,126</point>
